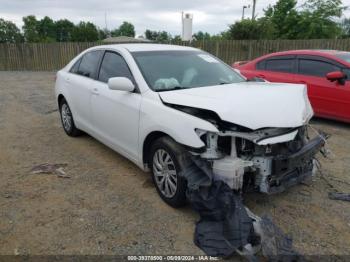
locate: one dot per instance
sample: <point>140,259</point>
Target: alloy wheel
<point>66,117</point>
<point>165,173</point>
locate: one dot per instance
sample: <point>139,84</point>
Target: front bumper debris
<point>290,170</point>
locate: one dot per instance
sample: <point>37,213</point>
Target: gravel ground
<point>108,206</point>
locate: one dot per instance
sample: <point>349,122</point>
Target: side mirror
<point>121,84</point>
<point>336,76</point>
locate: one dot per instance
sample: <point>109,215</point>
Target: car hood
<point>249,104</point>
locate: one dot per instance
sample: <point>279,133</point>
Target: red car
<point>326,74</point>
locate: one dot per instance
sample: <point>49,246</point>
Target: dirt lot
<point>109,206</point>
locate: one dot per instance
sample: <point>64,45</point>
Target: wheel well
<point>148,143</point>
<point>60,98</point>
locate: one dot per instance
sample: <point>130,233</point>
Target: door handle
<point>261,76</point>
<point>68,80</point>
<point>95,91</point>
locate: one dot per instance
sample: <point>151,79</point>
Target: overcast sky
<point>211,16</point>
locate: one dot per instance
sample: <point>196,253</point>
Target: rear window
<point>280,65</point>
<point>89,63</point>
<point>75,67</point>
<point>261,65</point>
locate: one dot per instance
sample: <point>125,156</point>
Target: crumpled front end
<point>261,141</point>
<point>267,160</point>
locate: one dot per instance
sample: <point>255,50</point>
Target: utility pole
<point>106,27</point>
<point>253,12</point>
<point>244,7</point>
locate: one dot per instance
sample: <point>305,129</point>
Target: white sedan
<point>162,106</point>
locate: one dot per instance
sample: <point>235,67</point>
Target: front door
<point>328,99</point>
<point>116,113</point>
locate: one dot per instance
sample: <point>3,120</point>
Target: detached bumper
<point>290,170</point>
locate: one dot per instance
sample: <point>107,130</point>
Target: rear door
<point>116,113</point>
<point>277,69</point>
<point>80,81</point>
<point>328,99</point>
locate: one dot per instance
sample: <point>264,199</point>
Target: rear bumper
<point>290,170</point>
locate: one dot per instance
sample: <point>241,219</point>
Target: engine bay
<point>245,162</point>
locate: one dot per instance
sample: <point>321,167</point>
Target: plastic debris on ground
<point>46,168</point>
<point>226,227</point>
<point>339,196</point>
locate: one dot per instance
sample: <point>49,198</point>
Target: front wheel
<point>167,160</point>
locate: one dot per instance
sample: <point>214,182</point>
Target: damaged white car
<point>162,106</point>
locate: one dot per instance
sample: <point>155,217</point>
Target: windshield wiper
<point>173,88</point>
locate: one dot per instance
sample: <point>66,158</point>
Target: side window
<point>261,65</point>
<point>316,68</point>
<point>113,65</point>
<point>75,67</point>
<point>89,63</point>
<point>346,71</point>
<point>280,65</point>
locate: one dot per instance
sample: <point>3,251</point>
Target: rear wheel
<point>167,160</point>
<point>67,119</point>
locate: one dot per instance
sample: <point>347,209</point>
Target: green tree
<point>318,19</point>
<point>47,29</point>
<point>284,18</point>
<point>177,38</point>
<point>31,29</point>
<point>158,36</point>
<point>125,29</point>
<point>151,35</point>
<point>246,29</point>
<point>9,32</point>
<point>315,19</point>
<point>85,32</point>
<point>225,35</point>
<point>345,27</point>
<point>64,30</point>
<point>202,36</point>
<point>103,34</point>
<point>164,37</point>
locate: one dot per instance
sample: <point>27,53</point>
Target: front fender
<point>155,116</point>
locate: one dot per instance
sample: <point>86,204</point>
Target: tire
<point>179,157</point>
<point>67,120</point>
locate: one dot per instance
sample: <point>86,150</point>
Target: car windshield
<point>172,70</point>
<point>344,56</point>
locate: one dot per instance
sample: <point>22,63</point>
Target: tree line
<point>315,19</point>
<point>46,30</point>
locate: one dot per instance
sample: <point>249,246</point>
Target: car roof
<point>148,47</point>
<point>327,53</point>
<point>309,52</point>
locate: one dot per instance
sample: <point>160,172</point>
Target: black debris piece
<point>224,227</point>
<point>339,196</point>
<point>275,245</point>
<point>198,174</point>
